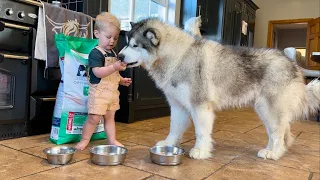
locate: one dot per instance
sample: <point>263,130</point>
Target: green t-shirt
<point>96,59</point>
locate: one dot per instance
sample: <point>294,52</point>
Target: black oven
<point>27,88</point>
<point>15,71</point>
<point>14,89</point>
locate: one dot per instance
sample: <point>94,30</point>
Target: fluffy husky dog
<point>201,76</point>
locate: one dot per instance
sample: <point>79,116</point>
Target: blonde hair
<point>105,19</point>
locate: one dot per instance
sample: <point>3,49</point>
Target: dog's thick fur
<point>201,76</point>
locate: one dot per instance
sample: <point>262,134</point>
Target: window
<point>135,10</point>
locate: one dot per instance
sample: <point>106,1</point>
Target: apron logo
<point>70,28</point>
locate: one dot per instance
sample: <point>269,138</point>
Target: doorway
<point>298,33</point>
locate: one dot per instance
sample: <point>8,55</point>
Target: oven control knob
<point>9,12</point>
<point>21,14</point>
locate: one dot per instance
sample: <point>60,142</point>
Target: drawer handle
<point>15,26</point>
<point>10,56</point>
<point>48,99</point>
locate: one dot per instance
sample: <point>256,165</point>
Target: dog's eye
<point>135,45</point>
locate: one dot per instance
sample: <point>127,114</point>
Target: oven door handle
<point>5,24</point>
<point>10,56</point>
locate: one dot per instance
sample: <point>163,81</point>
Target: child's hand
<point>125,81</point>
<point>119,66</point>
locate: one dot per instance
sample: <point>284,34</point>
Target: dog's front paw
<point>267,154</point>
<point>197,153</point>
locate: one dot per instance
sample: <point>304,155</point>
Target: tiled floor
<point>238,135</point>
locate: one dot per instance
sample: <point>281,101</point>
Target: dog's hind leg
<point>203,117</point>
<point>180,121</point>
<point>262,109</point>
<point>277,124</point>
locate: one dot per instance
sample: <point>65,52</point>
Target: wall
<point>292,38</point>
<point>280,10</point>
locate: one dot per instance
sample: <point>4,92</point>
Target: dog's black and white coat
<point>201,76</point>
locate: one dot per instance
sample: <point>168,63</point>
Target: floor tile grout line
<point>58,166</point>
<point>188,141</point>
<point>24,152</point>
<point>267,162</point>
<point>310,176</point>
<point>132,128</point>
<point>152,173</point>
<point>224,165</point>
<point>244,153</point>
<point>147,177</point>
<point>252,129</point>
<point>298,135</point>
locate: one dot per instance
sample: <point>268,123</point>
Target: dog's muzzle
<point>121,57</point>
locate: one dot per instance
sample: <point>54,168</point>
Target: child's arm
<point>101,72</point>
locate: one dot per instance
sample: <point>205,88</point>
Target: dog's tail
<point>313,97</point>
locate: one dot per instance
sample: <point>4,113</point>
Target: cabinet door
<point>237,25</point>
<point>313,42</point>
<point>214,18</point>
<point>250,14</point>
<point>147,95</point>
<point>202,10</point>
<point>94,7</point>
<point>238,5</point>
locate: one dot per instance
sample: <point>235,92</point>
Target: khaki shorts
<point>103,97</point>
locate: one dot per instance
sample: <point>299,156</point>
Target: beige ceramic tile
<point>245,114</point>
<point>306,147</point>
<point>27,142</point>
<point>261,131</point>
<point>290,159</point>
<point>310,136</point>
<point>85,170</point>
<point>149,125</point>
<point>306,126</point>
<point>315,176</point>
<point>139,157</point>
<point>188,135</point>
<point>258,140</point>
<point>15,164</point>
<point>156,177</point>
<point>224,151</point>
<point>237,125</point>
<point>145,138</point>
<point>246,168</point>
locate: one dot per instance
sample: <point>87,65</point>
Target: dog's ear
<point>152,35</point>
<point>132,24</point>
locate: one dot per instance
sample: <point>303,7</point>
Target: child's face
<point>108,37</point>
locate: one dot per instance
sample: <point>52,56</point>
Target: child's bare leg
<point>87,131</point>
<point>110,128</point>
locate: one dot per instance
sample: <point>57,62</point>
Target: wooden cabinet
<point>222,19</point>
<point>313,42</point>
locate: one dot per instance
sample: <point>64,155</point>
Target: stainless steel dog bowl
<point>166,155</point>
<point>59,155</point>
<point>108,155</point>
